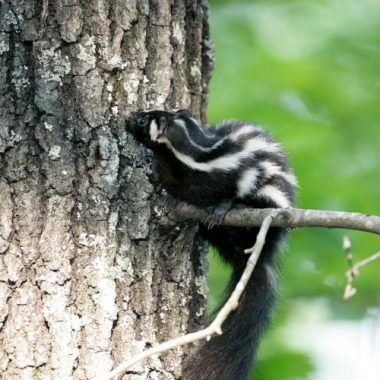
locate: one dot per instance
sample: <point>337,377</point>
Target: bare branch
<point>216,326</point>
<point>292,217</point>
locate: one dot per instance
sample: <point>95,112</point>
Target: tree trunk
<point>91,271</point>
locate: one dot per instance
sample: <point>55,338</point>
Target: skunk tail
<point>229,356</point>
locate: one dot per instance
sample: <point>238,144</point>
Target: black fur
<point>230,355</point>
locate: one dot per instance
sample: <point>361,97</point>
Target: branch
<point>216,326</point>
<point>291,217</point>
<point>246,217</point>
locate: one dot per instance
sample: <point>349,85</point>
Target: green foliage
<point>283,362</point>
<point>308,72</point>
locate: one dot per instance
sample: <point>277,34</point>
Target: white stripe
<point>271,169</point>
<point>196,122</point>
<point>244,130</point>
<point>153,130</point>
<point>247,182</point>
<point>277,196</point>
<point>229,161</point>
<point>182,124</point>
<point>260,143</point>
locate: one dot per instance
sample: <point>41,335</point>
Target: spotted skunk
<point>234,162</point>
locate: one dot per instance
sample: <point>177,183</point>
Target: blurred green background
<point>309,71</point>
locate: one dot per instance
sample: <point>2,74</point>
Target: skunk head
<point>154,128</point>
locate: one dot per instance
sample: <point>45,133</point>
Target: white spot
<point>4,47</point>
<point>115,110</point>
<point>48,126</point>
<point>195,71</point>
<point>54,152</point>
<point>276,195</point>
<point>247,182</point>
<point>200,312</point>
<point>177,32</point>
<point>115,60</point>
<point>157,211</point>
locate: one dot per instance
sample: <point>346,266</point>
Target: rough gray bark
<point>90,273</point>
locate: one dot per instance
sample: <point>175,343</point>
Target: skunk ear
<point>186,113</point>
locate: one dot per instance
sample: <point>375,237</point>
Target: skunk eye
<point>142,121</point>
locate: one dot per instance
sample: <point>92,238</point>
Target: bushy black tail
<point>229,356</point>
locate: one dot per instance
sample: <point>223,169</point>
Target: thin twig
<point>293,217</point>
<point>353,272</point>
<point>216,326</point>
<point>349,290</point>
<point>365,262</point>
<point>347,250</point>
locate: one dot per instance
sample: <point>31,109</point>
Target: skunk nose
<point>132,120</point>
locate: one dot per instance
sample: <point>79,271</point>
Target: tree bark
<point>91,272</point>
